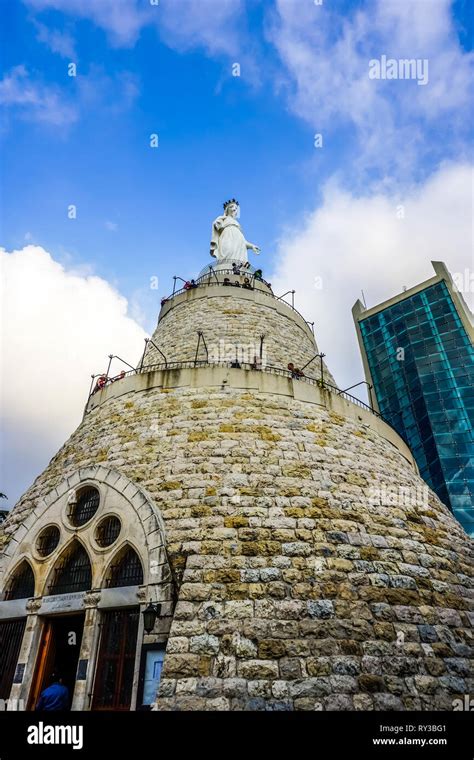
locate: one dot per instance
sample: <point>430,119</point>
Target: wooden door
<point>44,664</point>
<point>116,661</point>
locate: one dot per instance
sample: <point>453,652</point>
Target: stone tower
<point>299,561</point>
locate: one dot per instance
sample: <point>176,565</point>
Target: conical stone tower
<point>299,560</point>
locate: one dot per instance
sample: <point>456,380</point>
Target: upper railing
<point>211,279</point>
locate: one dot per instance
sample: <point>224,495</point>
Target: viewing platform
<point>267,380</point>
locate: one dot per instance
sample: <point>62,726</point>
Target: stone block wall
<point>301,585</point>
<point>234,317</point>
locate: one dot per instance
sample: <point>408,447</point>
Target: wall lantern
<point>150,614</point>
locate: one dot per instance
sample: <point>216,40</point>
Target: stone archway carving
<point>135,506</point>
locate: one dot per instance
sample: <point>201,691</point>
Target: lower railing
<point>252,366</point>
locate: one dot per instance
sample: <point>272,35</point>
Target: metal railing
<point>321,383</point>
<point>211,279</point>
<point>253,366</point>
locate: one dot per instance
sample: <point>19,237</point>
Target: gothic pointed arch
<point>21,583</point>
<point>125,568</point>
<point>141,520</point>
<point>72,572</point>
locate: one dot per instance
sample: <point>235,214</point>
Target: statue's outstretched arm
<point>252,247</point>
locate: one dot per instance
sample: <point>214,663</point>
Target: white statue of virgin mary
<point>228,241</point>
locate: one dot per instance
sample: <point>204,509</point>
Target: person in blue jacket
<point>55,697</point>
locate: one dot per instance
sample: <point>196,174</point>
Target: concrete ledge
<point>14,609</point>
<point>61,603</point>
<point>250,380</point>
<point>119,597</point>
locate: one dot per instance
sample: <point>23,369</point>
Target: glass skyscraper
<point>418,355</point>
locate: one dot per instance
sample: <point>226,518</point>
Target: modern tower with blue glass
<point>418,355</point>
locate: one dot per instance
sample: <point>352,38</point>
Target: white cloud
<point>58,328</point>
<point>122,19</point>
<point>326,56</point>
<point>35,100</point>
<point>211,24</point>
<point>184,25</point>
<point>112,93</point>
<point>32,100</point>
<point>111,226</point>
<point>358,243</point>
<point>58,41</point>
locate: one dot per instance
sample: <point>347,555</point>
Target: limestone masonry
<point>300,560</point>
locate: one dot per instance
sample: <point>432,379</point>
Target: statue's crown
<point>232,200</point>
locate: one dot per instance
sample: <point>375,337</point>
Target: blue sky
<point>141,212</point>
<point>219,136</point>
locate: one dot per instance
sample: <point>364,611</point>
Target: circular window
<point>85,507</point>
<point>108,531</point>
<point>47,541</point>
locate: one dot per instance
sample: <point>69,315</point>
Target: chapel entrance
<point>116,661</point>
<point>58,654</point>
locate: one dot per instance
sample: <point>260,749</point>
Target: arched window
<point>22,585</point>
<point>127,571</point>
<point>73,573</point>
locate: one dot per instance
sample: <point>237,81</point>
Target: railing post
<point>159,351</point>
<point>124,362</point>
<point>321,356</point>
<point>205,346</point>
<point>90,394</point>
<point>369,388</point>
<point>143,355</point>
<point>197,347</point>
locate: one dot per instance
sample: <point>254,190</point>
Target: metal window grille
<point>108,531</point>
<point>74,574</point>
<point>127,572</point>
<point>22,585</point>
<point>85,507</point>
<point>11,636</point>
<point>48,541</point>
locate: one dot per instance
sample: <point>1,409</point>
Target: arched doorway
<point>61,638</point>
<point>93,556</point>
